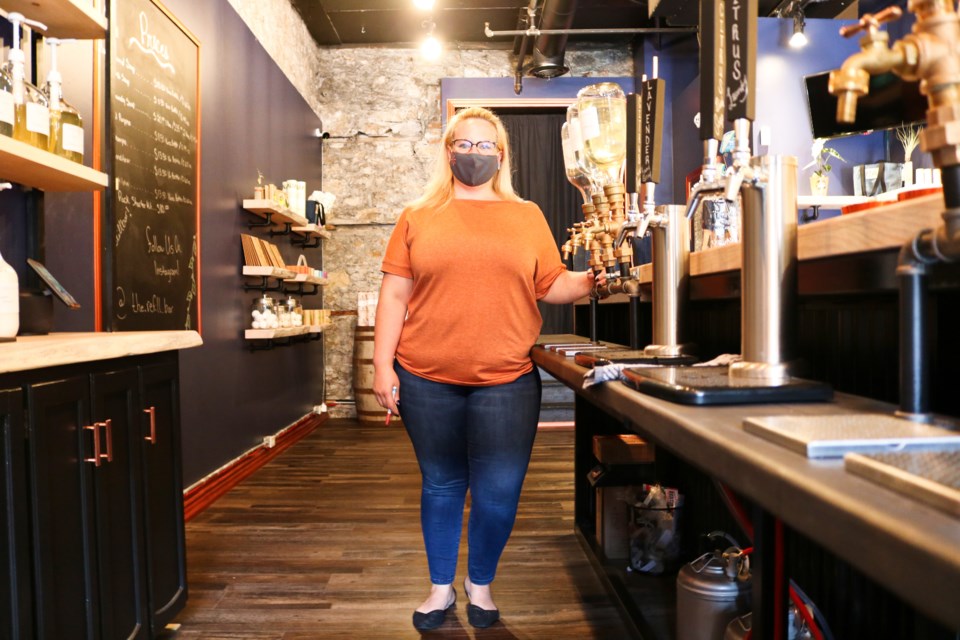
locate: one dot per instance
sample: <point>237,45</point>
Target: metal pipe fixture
<point>930,54</point>
<point>550,48</point>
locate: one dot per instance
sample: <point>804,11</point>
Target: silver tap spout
<point>701,189</point>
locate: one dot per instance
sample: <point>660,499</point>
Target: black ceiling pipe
<point>549,50</point>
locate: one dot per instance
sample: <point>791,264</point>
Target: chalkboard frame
<point>109,268</point>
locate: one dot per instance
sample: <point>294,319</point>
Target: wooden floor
<point>324,542</point>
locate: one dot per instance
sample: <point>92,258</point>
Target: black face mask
<point>474,169</point>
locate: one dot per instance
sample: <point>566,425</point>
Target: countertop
<point>910,548</point>
<point>37,352</point>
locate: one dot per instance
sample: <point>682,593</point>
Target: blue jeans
<point>469,437</point>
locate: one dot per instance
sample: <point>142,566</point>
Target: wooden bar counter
<point>910,548</point>
<point>848,337</point>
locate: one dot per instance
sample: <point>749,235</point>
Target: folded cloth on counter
<point>607,373</point>
<point>721,360</point>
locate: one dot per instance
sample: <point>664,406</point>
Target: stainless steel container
<point>711,591</point>
<point>671,269</point>
<point>769,270</point>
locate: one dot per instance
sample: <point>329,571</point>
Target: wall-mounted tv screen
<point>890,103</point>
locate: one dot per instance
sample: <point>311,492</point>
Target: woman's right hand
<point>386,388</point>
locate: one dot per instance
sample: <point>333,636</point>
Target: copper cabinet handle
<point>96,444</point>
<point>108,425</point>
<point>152,438</point>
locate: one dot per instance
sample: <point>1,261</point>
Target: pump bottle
<point>31,113</point>
<point>66,126</point>
<point>7,111</point>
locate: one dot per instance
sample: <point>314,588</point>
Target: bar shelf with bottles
<point>64,18</point>
<point>43,142</point>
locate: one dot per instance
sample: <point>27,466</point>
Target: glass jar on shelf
<point>264,314</point>
<point>294,311</point>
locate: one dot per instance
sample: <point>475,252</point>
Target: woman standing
<point>456,319</point>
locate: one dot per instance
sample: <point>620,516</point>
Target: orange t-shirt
<point>478,269</point>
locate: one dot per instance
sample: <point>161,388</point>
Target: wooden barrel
<point>368,411</point>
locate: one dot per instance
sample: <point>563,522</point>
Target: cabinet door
<point>61,505</point>
<point>119,512</point>
<point>15,601</point>
<point>163,492</point>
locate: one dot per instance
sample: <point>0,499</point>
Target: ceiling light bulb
<point>426,5</point>
<point>798,40</point>
<point>431,48</point>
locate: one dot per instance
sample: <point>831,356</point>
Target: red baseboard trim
<point>203,494</point>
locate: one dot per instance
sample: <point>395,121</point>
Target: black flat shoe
<point>432,619</point>
<point>480,618</point>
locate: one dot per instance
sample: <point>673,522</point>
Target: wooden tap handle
<point>872,21</point>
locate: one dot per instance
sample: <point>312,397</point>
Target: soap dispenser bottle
<point>9,302</point>
<point>66,126</point>
<point>7,111</point>
<point>31,114</point>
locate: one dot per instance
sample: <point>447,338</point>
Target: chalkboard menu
<point>152,234</point>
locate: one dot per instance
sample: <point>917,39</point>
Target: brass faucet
<point>930,54</point>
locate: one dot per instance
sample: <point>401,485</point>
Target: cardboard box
<point>622,449</point>
<point>613,523</point>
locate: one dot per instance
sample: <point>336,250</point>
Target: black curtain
<point>539,176</point>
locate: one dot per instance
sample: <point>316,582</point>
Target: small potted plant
<point>909,137</point>
<point>821,154</point>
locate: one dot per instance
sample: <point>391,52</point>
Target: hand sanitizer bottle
<point>66,126</point>
<point>31,114</point>
<point>9,302</point>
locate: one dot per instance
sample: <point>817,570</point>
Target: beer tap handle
<point>870,22</point>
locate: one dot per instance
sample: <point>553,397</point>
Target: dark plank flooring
<point>324,542</point>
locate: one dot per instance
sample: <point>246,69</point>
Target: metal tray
<point>932,477</point>
<point>712,385</point>
<point>831,436</point>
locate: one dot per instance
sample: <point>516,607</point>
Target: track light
<point>799,39</point>
<point>431,47</point>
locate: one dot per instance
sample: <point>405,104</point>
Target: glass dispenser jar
<point>66,125</point>
<point>264,315</point>
<point>291,313</point>
<point>603,126</point>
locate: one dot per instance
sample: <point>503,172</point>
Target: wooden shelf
<point>63,18</point>
<point>306,279</point>
<point>269,272</point>
<point>277,214</point>
<point>311,230</point>
<point>27,165</point>
<point>317,328</point>
<point>271,334</point>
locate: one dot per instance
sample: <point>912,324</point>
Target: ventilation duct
<point>549,50</point>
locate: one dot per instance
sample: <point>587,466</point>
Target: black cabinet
<point>104,554</point>
<point>15,616</point>
<point>163,492</point>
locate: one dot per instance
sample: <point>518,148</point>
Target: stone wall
<point>381,107</point>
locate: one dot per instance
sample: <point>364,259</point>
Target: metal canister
<point>711,591</point>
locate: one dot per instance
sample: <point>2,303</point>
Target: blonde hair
<point>439,190</point>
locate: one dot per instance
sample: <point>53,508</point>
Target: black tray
<point>711,385</point>
<point>628,356</point>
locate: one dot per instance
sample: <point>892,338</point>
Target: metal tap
<point>930,54</point>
